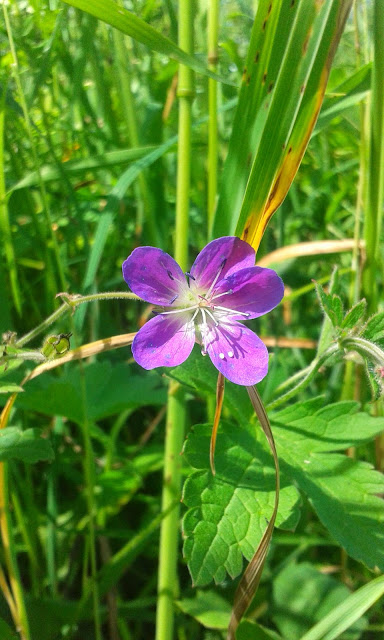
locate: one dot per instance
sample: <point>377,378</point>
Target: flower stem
<point>71,302</point>
<point>311,372</point>
<point>176,411</point>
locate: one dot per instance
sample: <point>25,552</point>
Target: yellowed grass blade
<point>301,249</point>
<point>216,420</point>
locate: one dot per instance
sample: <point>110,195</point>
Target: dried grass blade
<point>216,420</point>
<point>250,580</point>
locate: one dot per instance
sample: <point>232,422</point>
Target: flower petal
<point>164,341</point>
<point>255,291</point>
<point>154,276</point>
<point>208,264</point>
<point>238,353</point>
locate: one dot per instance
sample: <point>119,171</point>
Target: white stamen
<point>167,313</point>
<point>230,354</point>
<point>204,331</point>
<point>221,356</point>
<point>219,295</point>
<point>195,314</point>
<point>212,316</point>
<point>233,311</point>
<point>216,278</point>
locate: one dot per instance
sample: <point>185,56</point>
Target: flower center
<point>203,306</point>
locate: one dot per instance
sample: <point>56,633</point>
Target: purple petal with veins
<point>253,291</point>
<point>224,287</point>
<point>154,276</point>
<point>221,257</point>
<point>164,341</point>
<point>238,353</point>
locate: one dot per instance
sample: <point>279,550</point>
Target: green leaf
<point>208,608</point>
<point>103,227</point>
<point>302,596</point>
<point>331,305</point>
<point>337,309</point>
<point>342,491</point>
<point>6,632</point>
<point>50,173</point>
<point>109,389</point>
<point>284,80</point>
<point>28,446</point>
<point>349,93</point>
<point>200,374</point>
<point>131,25</point>
<point>248,630</point>
<point>10,388</point>
<point>345,614</point>
<point>228,512</point>
<point>354,315</point>
<point>374,329</point>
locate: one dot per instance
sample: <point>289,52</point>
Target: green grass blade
<point>103,227</point>
<point>131,25</point>
<point>5,226</point>
<point>49,173</point>
<point>289,58</point>
<point>345,614</point>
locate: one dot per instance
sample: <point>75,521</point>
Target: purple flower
<point>205,305</point>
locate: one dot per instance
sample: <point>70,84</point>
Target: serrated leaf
<point>309,426</point>
<point>228,512</point>
<point>331,305</point>
<point>341,490</point>
<point>354,315</point>
<point>28,446</point>
<point>374,329</point>
<point>324,298</point>
<point>337,309</point>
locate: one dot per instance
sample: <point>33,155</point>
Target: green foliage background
<point>88,123</point>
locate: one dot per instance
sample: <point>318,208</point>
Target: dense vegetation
<point>107,143</point>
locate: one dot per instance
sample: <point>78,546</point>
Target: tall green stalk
<point>375,178</point>
<point>176,411</point>
<point>213,31</point>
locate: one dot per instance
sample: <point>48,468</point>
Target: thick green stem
<point>169,532</point>
<point>375,178</point>
<point>213,29</point>
<point>167,579</point>
<point>185,93</point>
